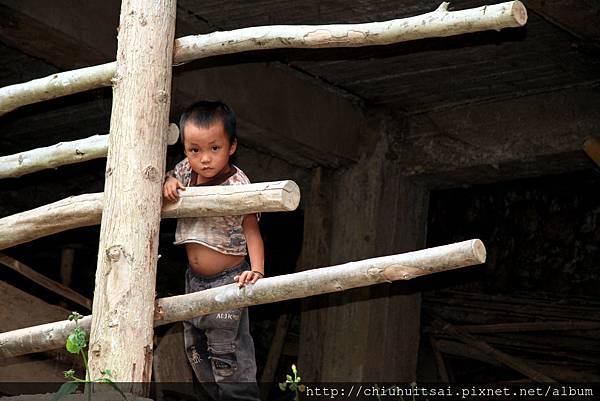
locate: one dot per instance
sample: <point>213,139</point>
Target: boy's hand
<point>248,276</point>
<point>170,189</point>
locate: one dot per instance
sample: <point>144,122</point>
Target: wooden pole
<point>86,210</point>
<point>121,337</point>
<point>439,23</point>
<point>277,343</point>
<point>361,273</point>
<point>44,281</point>
<point>61,154</point>
<point>515,363</point>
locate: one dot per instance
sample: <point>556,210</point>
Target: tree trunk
<point>438,23</point>
<point>307,283</point>
<point>86,210</point>
<point>121,337</point>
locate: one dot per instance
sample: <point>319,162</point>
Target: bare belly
<point>208,262</point>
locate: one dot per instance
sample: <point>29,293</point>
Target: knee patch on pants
<point>223,359</point>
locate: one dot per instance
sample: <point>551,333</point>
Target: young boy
<point>219,346</point>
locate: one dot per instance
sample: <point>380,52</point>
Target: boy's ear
<point>233,147</point>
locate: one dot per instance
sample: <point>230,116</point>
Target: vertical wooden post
<point>122,325</point>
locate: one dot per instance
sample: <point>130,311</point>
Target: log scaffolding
<point>272,289</point>
<point>86,210</point>
<point>126,262</point>
<point>438,23</point>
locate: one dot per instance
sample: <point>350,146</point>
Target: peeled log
<point>62,153</point>
<point>439,23</point>
<point>274,289</point>
<point>86,210</point>
<point>436,24</point>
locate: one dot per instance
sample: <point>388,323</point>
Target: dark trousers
<point>219,345</point>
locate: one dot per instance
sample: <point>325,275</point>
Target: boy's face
<point>208,149</point>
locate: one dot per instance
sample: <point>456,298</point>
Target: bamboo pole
<point>86,210</point>
<point>62,153</point>
<point>438,23</point>
<point>44,281</point>
<point>274,289</point>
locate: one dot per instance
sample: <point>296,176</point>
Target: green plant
<point>76,344</point>
<point>293,383</point>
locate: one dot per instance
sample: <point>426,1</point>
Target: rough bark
<point>439,23</point>
<point>86,210</point>
<point>121,337</point>
<point>61,154</point>
<point>290,286</point>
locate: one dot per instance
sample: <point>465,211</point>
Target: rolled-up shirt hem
<point>213,247</point>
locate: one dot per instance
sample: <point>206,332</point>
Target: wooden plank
<point>517,364</point>
<point>531,326</point>
<point>45,282</point>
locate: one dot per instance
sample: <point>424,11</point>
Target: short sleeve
<point>182,172</point>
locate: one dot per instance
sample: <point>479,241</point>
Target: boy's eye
<point>214,148</point>
<point>194,150</point>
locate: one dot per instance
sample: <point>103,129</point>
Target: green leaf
<point>294,369</point>
<point>106,372</point>
<point>282,386</point>
<point>74,316</point>
<point>76,341</point>
<point>72,345</point>
<point>65,389</point>
<point>288,378</point>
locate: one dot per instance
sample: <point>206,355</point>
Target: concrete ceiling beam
<point>522,137</point>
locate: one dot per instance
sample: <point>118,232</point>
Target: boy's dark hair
<point>205,113</point>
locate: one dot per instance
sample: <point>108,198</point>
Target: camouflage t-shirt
<point>223,234</point>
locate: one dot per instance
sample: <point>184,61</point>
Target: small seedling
<point>293,383</point>
<point>76,344</point>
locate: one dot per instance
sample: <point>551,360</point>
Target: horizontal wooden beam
<point>439,23</point>
<point>45,282</point>
<point>61,154</point>
<point>515,363</point>
<point>86,210</point>
<point>274,289</point>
